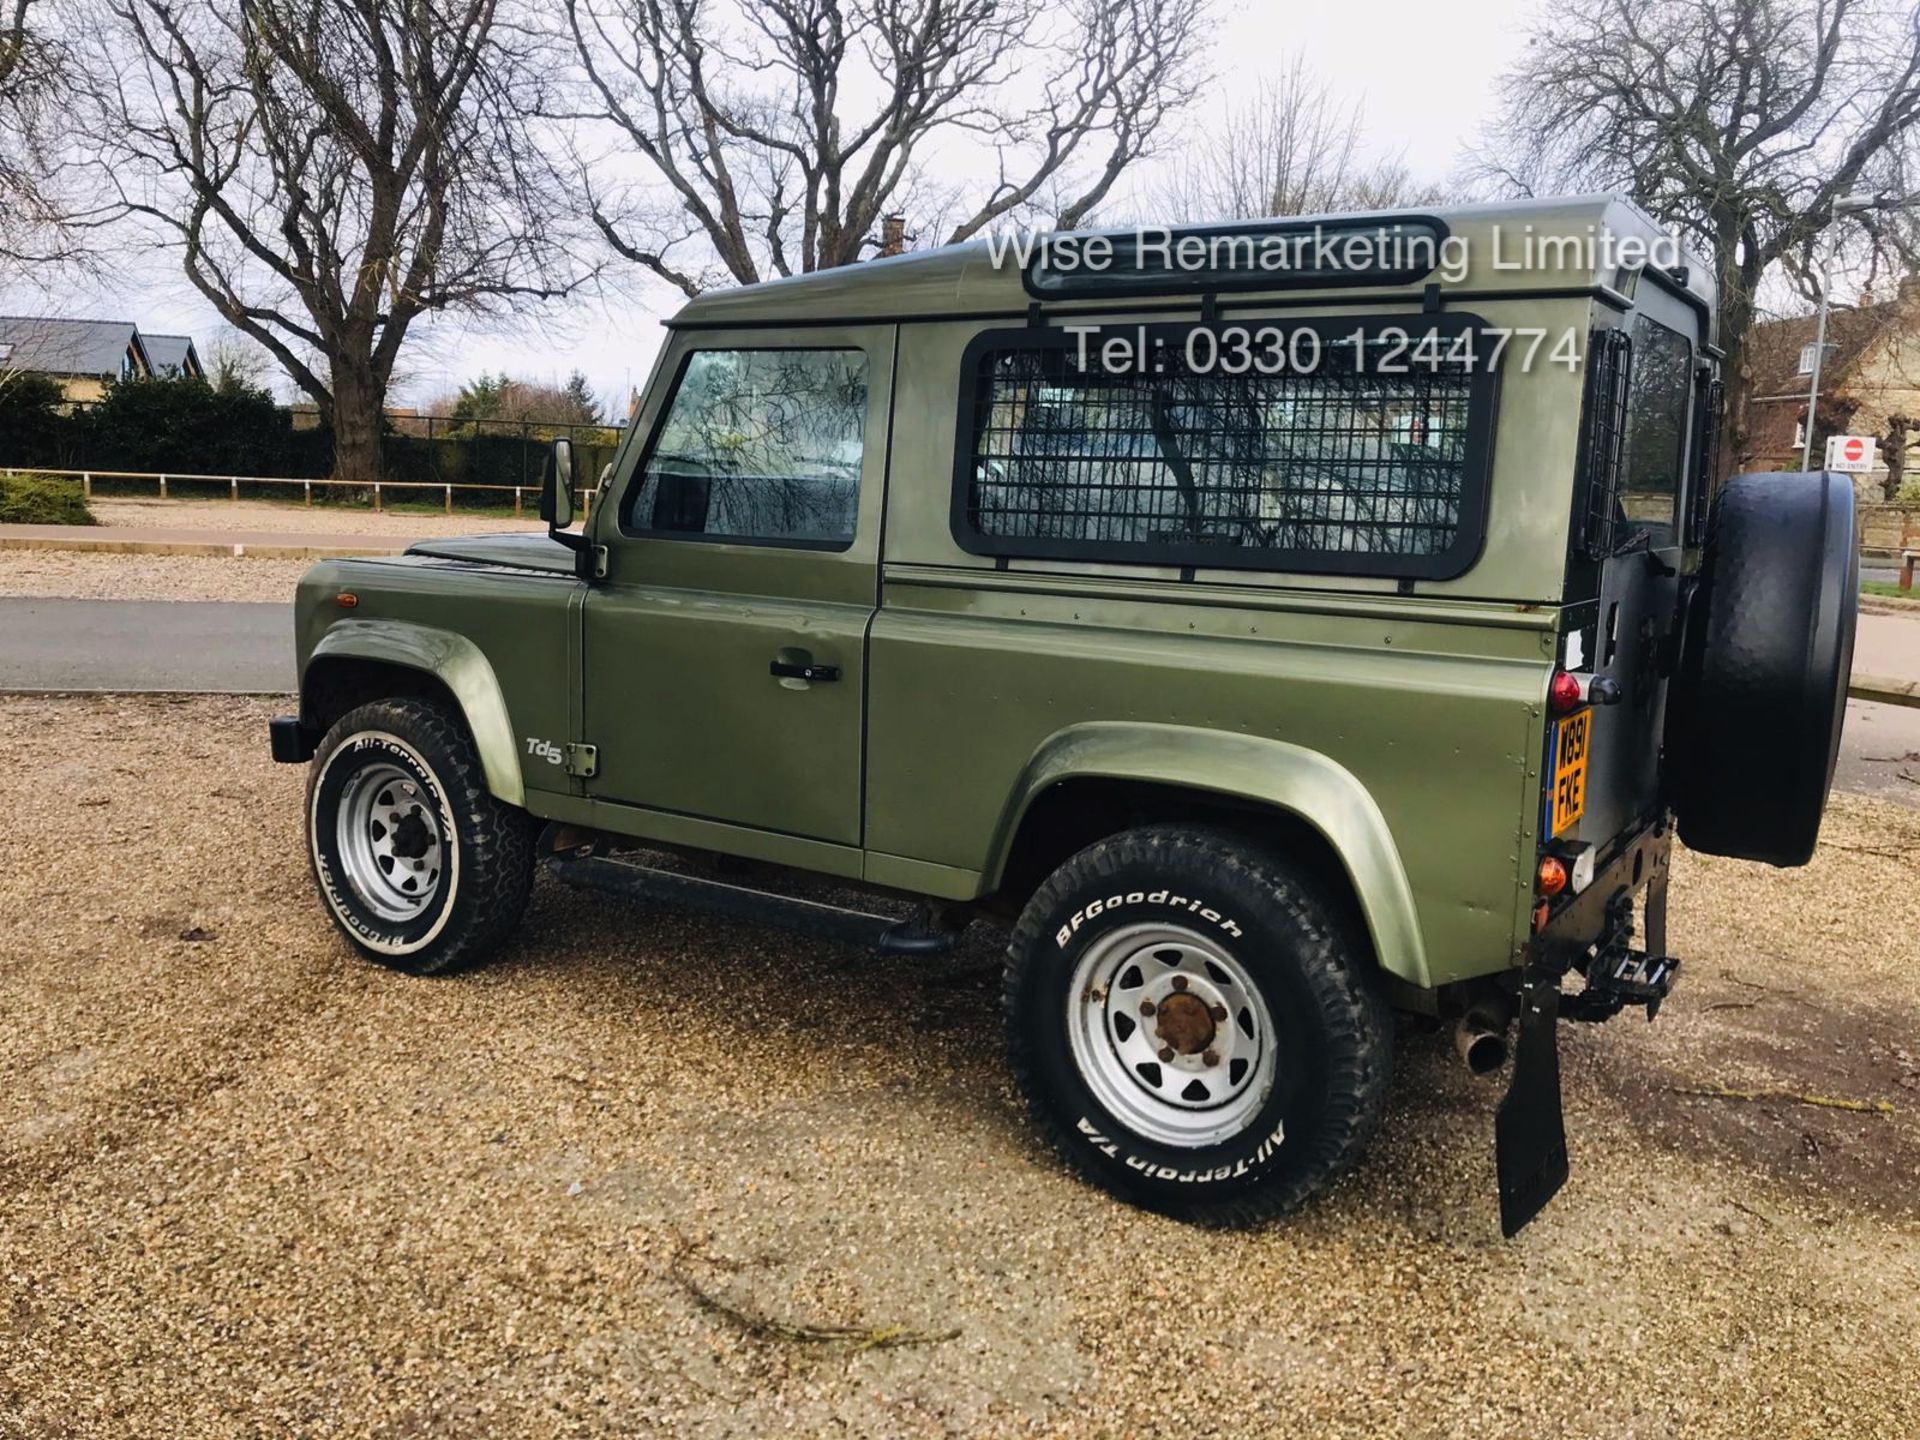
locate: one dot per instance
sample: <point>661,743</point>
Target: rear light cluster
<point>1567,871</point>
<point>1567,868</point>
<point>1567,692</point>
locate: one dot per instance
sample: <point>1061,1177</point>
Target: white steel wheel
<point>1227,1056</point>
<point>390,842</point>
<point>420,866</point>
<point>1171,1034</point>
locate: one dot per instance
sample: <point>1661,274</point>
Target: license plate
<point>1572,738</point>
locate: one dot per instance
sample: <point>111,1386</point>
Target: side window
<point>1656,433</point>
<point>762,446</point>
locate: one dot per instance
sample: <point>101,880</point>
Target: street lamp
<point>1845,205</point>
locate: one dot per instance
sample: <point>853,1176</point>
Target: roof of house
<point>68,347</point>
<point>1774,346</point>
<point>965,280</point>
<point>171,352</point>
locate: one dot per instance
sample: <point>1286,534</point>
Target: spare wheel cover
<point>1756,710</point>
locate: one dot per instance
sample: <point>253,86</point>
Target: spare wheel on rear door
<point>1754,713</point>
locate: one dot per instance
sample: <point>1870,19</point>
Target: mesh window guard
<point>1706,457</point>
<point>1345,466</point>
<point>1603,440</point>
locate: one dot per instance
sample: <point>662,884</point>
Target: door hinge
<point>583,760</point>
<point>590,562</point>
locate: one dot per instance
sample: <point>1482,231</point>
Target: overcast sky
<point>1423,71</point>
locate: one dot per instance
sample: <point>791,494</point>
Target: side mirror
<point>556,486</point>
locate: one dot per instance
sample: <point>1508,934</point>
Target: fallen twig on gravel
<point>1756,985</point>
<point>767,1327</point>
<point>1879,850</point>
<point>1825,1102</point>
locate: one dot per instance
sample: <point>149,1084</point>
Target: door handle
<point>791,670</point>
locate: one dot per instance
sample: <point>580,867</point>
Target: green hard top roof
<point>1573,243</point>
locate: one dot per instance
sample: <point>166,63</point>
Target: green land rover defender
<point>1275,624</point>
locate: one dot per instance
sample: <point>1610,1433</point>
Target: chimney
<point>893,234</point>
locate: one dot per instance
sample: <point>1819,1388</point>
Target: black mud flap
<point>1530,1134</point>
<point>292,738</point>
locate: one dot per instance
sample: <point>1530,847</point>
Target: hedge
<point>186,426</point>
<point>42,500</point>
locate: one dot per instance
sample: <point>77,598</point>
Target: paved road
<point>1880,751</point>
<point>145,645</point>
<point>1888,645</point>
<point>1880,747</point>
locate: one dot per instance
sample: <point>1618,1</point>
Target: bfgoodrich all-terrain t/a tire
<point>1193,1027</point>
<point>420,866</point>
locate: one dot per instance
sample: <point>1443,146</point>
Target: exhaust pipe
<point>1480,1044</point>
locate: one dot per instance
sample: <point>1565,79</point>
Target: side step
<point>921,935</point>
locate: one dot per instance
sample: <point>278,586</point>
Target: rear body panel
<point>1434,701</point>
<point>971,680</point>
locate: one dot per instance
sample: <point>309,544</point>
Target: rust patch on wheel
<point>1184,1023</point>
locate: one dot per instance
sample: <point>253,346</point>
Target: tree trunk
<point>1734,429</point>
<point>1736,318</point>
<point>1896,456</point>
<point>358,414</point>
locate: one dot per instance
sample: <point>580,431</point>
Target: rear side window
<point>758,446</point>
<point>1353,454</point>
<point>1656,434</point>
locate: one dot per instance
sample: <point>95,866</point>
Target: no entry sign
<point>1853,454</point>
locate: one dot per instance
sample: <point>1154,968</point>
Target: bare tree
<point>1294,148</point>
<point>236,362</point>
<point>1741,122</point>
<point>333,170</point>
<point>742,115</point>
<point>36,227</point>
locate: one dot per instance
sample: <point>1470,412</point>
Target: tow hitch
<point>1618,975</point>
<point>1621,977</point>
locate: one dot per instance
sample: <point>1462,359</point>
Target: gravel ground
<point>257,1186</point>
<point>298,519</point>
<point>83,576</point>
